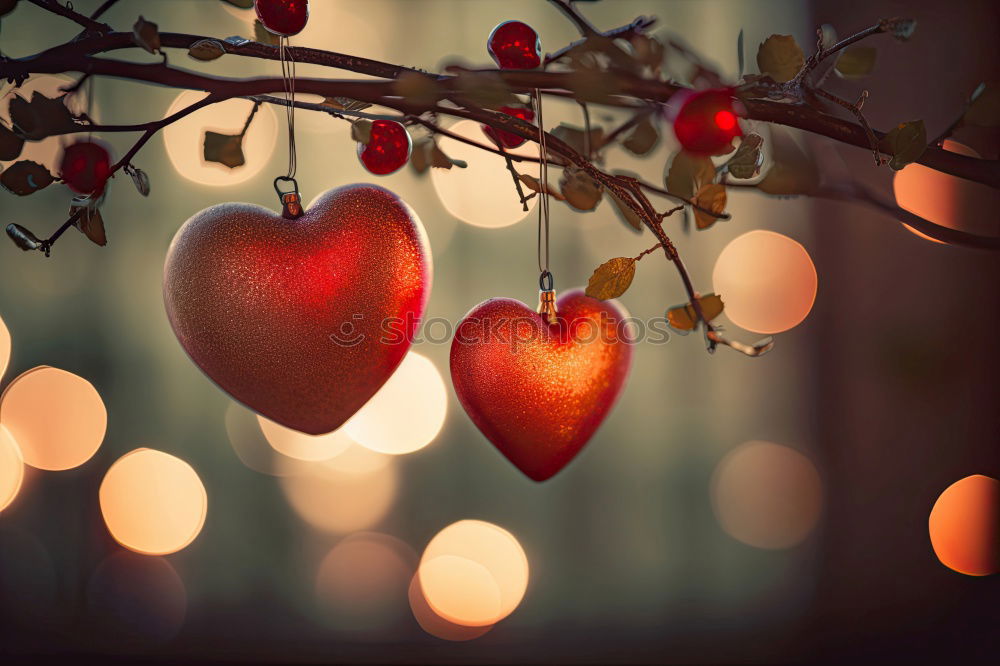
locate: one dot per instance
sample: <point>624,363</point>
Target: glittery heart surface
<point>538,391</point>
<point>300,320</point>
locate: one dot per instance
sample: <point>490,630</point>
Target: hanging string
<point>543,177</point>
<point>288,76</point>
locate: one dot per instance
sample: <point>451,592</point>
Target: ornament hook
<point>547,297</point>
<point>291,201</point>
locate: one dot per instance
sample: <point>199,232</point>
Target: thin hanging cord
<point>543,177</point>
<point>288,76</point>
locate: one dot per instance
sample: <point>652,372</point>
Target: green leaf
<point>792,170</point>
<point>984,107</point>
<point>780,57</point>
<point>643,138</point>
<point>747,160</point>
<point>612,278</point>
<point>146,34</point>
<point>856,62</point>
<point>225,149</point>
<point>206,49</point>
<point>683,318</point>
<point>263,35</point>
<point>582,192</point>
<point>25,177</point>
<point>41,117</point>
<point>711,196</point>
<point>906,143</point>
<point>687,173</point>
<point>10,144</point>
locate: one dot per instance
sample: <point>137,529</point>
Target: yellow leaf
<point>712,197</point>
<point>780,57</point>
<point>612,278</point>
<point>683,317</point>
<point>856,62</point>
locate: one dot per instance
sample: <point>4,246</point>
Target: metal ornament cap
<point>300,320</point>
<point>539,390</point>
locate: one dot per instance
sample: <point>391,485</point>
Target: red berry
<point>85,167</point>
<point>283,17</point>
<point>509,139</point>
<point>705,121</point>
<point>515,45</point>
<point>388,149</point>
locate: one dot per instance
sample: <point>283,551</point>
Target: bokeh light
<point>766,495</point>
<point>4,347</point>
<point>482,194</point>
<point>473,573</point>
<point>301,446</point>
<point>57,418</point>
<point>135,602</point>
<point>407,412</point>
<point>247,440</point>
<point>184,139</point>
<point>152,502</point>
<point>767,281</point>
<point>337,499</point>
<point>947,200</point>
<point>47,151</point>
<point>964,526</point>
<point>434,624</point>
<point>362,583</point>
<point>11,468</point>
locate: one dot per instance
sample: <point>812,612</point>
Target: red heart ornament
<point>301,320</point>
<point>538,391</point>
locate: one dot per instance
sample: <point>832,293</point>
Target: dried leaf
<point>140,180</point>
<point>263,35</point>
<point>612,278</point>
<point>625,214</point>
<point>574,136</point>
<point>146,34</point>
<point>582,192</point>
<point>748,159</point>
<point>241,4</point>
<point>420,156</point>
<point>206,49</point>
<point>536,185</point>
<point>592,84</point>
<point>687,173</point>
<point>643,137</point>
<point>780,57</point>
<point>361,131</point>
<point>713,197</point>
<point>739,54</point>
<point>683,318</point>
<point>344,104</point>
<point>856,62</point>
<point>41,117</point>
<point>226,149</point>
<point>648,50</point>
<point>792,171</point>
<point>23,238</point>
<point>10,144</point>
<point>90,221</point>
<point>417,88</point>
<point>906,142</point>
<point>439,160</point>
<point>984,107</point>
<point>25,177</point>
<point>902,28</point>
<point>485,89</point>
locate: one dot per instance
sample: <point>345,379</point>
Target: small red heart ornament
<point>539,390</point>
<point>301,320</point>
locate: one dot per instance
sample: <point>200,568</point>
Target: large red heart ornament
<point>539,390</point>
<point>301,320</point>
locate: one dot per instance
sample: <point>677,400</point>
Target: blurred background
<point>729,509</point>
